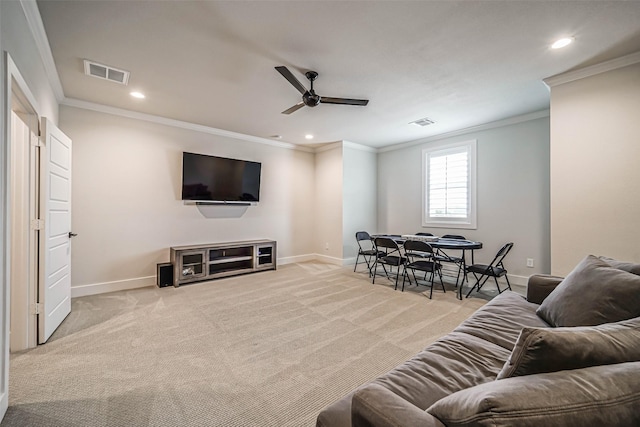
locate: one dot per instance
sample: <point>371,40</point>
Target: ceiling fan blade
<point>344,101</point>
<point>296,107</point>
<point>291,78</point>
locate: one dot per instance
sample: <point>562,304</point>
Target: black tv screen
<point>218,179</point>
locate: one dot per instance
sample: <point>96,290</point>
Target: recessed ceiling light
<point>308,136</point>
<point>276,136</point>
<point>138,95</point>
<point>560,43</point>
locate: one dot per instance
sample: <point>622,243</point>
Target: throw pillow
<point>592,294</point>
<point>622,265</point>
<point>596,396</point>
<point>540,350</point>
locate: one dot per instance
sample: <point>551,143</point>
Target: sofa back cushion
<point>592,294</point>
<point>622,265</point>
<point>540,350</point>
<point>595,396</point>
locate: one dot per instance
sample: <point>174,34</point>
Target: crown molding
<point>34,21</point>
<point>603,67</point>
<point>77,103</point>
<point>491,125</point>
<point>356,146</point>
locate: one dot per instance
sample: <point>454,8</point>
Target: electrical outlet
<point>326,246</point>
<point>530,262</point>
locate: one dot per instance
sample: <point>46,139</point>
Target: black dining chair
<point>443,256</point>
<point>420,263</point>
<point>495,269</point>
<point>366,250</point>
<point>392,257</point>
<point>422,233</point>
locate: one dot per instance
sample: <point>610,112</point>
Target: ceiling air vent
<point>105,72</point>
<point>422,122</point>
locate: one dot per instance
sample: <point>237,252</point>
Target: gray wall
<point>359,188</point>
<point>513,193</point>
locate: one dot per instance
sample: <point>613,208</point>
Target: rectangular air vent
<point>422,122</point>
<point>105,72</point>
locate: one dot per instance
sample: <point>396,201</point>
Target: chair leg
<point>375,269</point>
<point>369,263</point>
<point>442,284</point>
<point>431,289</point>
<point>398,276</point>
<point>477,284</point>
<point>356,266</point>
<point>497,285</point>
<point>507,279</point>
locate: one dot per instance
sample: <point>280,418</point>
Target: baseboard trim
<point>329,259</point>
<point>518,283</point>
<point>117,285</point>
<point>297,258</point>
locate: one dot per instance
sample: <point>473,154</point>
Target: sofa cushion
<point>598,395</point>
<point>592,294</point>
<point>374,405</point>
<point>554,349</point>
<point>501,320</point>
<point>622,265</point>
<point>454,362</point>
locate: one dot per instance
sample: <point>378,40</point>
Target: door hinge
<point>37,224</point>
<point>37,308</point>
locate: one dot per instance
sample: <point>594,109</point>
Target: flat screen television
<point>218,179</point>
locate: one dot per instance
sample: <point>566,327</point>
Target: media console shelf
<point>195,263</point>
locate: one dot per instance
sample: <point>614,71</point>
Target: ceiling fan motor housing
<point>310,99</point>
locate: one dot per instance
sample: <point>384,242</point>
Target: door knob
<point>72,234</point>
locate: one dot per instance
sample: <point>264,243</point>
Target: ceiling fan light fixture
<point>563,42</point>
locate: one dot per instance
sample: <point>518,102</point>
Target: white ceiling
<point>212,63</point>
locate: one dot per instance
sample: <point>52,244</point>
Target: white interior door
<point>54,293</point>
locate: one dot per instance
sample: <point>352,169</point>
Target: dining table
<point>462,245</point>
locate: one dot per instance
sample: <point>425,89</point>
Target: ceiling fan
<point>309,97</point>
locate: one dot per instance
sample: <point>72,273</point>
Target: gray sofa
<point>566,355</point>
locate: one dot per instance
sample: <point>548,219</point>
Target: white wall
<point>328,203</point>
<point>127,207</point>
<point>513,193</point>
<point>359,195</point>
<point>17,41</point>
<point>595,150</point>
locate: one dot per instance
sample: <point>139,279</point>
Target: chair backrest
<point>385,242</point>
<point>423,234</point>
<point>502,253</point>
<point>362,235</point>
<point>454,236</point>
<point>417,246</point>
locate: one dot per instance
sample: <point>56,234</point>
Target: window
<point>449,190</point>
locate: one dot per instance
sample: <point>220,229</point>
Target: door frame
<point>14,83</point>
<point>23,292</point>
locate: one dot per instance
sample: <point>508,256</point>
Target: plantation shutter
<point>449,185</point>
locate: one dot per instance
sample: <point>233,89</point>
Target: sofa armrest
<point>375,406</point>
<point>540,286</point>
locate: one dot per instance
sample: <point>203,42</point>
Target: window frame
<point>470,221</point>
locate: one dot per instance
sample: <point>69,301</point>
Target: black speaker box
<point>164,277</point>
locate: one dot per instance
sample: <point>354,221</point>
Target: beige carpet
<point>267,349</point>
